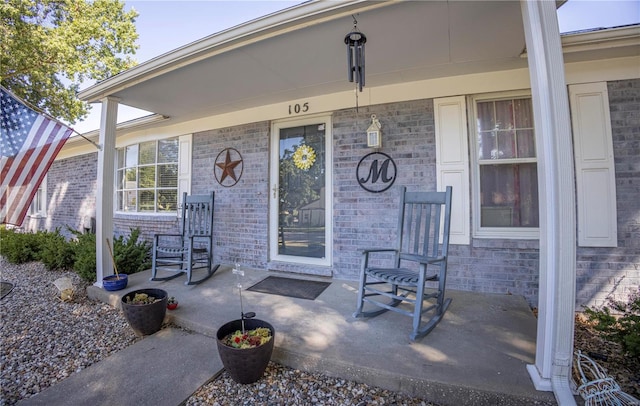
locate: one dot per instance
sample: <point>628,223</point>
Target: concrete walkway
<point>477,355</point>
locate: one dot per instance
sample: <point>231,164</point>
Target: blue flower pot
<point>112,283</point>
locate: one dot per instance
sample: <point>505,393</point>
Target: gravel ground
<point>44,340</point>
<point>285,386</point>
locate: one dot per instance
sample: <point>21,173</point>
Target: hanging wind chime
<point>355,41</point>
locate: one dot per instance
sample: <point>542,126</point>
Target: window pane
<point>506,145</point>
<point>167,200</point>
<point>120,161</point>
<point>487,144</point>
<point>526,144</point>
<point>147,153</point>
<point>147,200</point>
<point>147,177</point>
<point>120,180</point>
<point>129,200</point>
<point>131,155</point>
<point>504,115</point>
<point>168,151</point>
<point>509,195</point>
<point>486,116</point>
<point>168,176</point>
<point>523,112</point>
<point>131,178</point>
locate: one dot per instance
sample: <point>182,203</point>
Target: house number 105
<point>298,108</point>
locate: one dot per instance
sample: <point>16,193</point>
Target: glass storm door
<point>300,209</point>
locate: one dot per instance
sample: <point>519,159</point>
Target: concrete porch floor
<point>477,355</point>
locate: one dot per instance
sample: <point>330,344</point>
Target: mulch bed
<point>609,355</point>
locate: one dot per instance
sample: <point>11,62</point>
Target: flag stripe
<point>30,143</point>
<point>25,166</point>
<point>28,194</point>
<point>22,200</point>
<point>17,165</point>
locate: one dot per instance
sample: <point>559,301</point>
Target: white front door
<point>300,191</point>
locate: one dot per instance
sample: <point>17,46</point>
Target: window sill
<point>508,234</point>
<point>172,216</point>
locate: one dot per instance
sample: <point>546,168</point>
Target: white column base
<point>540,383</point>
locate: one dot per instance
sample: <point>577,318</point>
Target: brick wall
<point>71,194</point>
<point>241,211</point>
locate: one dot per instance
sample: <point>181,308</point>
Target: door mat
<point>5,289</point>
<point>299,288</point>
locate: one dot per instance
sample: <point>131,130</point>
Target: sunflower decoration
<point>304,157</point>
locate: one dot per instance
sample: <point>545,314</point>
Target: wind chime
<point>355,41</point>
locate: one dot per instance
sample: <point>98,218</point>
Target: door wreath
<point>304,157</point>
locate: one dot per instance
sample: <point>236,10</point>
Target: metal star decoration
<point>228,167</point>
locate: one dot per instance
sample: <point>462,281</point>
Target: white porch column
<point>556,299</point>
<point>105,182</point>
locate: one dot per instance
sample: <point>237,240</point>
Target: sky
<point>166,25</point>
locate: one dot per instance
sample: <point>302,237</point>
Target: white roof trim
<point>602,39</point>
<point>135,124</point>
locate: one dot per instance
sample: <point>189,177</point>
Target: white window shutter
<point>184,166</point>
<point>595,170</point>
<point>452,162</point>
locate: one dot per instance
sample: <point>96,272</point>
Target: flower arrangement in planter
<point>172,303</point>
<point>249,338</point>
<point>141,298</point>
<point>245,345</point>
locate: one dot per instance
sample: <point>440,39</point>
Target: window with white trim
<point>147,177</point>
<point>38,206</point>
<point>505,167</point>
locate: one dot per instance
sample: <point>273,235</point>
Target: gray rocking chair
<point>417,259</point>
<point>191,250</point>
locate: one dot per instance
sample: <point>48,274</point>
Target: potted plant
<point>145,309</point>
<point>245,345</point>
<point>117,281</point>
<point>172,303</point>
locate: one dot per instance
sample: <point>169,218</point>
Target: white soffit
<point>407,41</point>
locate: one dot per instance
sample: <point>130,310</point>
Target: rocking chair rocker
<point>418,258</point>
<point>191,250</point>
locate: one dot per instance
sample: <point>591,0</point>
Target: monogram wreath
<point>304,157</point>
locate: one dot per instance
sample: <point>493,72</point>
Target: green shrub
<point>131,255</point>
<point>56,252</point>
<point>84,249</point>
<point>623,328</point>
<point>19,247</point>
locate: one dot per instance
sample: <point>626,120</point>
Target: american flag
<point>29,142</point>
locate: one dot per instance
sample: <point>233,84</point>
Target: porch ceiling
<point>406,41</point>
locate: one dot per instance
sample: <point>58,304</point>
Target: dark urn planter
<point>245,365</point>
<point>145,319</point>
<point>113,283</point>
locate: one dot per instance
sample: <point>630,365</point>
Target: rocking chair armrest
<point>422,259</point>
<point>370,250</point>
<point>156,237</point>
